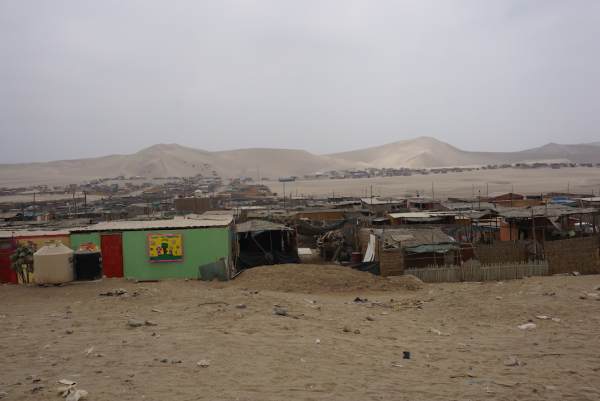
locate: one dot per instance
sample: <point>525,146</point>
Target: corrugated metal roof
<point>542,211</point>
<point>500,193</point>
<point>32,233</point>
<point>381,201</point>
<point>260,225</point>
<point>411,237</point>
<point>132,225</point>
<point>410,215</point>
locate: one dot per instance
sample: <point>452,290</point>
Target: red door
<point>111,247</point>
<point>7,274</point>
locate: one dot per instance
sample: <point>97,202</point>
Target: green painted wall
<point>200,246</point>
<point>81,238</point>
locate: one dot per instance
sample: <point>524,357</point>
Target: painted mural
<point>165,248</point>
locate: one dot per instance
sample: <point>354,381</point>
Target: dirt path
<point>461,338</point>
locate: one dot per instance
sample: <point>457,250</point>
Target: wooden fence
<point>495,272</point>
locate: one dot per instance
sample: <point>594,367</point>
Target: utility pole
<point>533,232</point>
<point>283,195</point>
<point>432,191</point>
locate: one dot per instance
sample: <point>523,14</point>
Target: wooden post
<point>533,230</point>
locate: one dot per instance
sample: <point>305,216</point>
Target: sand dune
<point>166,160</point>
<point>426,152</point>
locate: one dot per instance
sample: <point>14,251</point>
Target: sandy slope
<point>430,152</point>
<point>174,160</point>
<point>255,355</point>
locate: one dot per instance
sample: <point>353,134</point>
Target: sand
<point>309,278</point>
<point>528,181</point>
<point>460,336</point>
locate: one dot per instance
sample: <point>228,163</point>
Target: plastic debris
<point>114,293</point>
<point>135,323</point>
<point>527,326</point>
<point>76,395</point>
<point>439,333</point>
<point>203,363</point>
<point>512,361</point>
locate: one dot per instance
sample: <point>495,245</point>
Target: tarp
<point>371,267</point>
<point>210,271</point>
<point>370,252</point>
<point>431,248</point>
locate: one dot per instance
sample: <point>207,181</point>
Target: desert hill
<point>426,152</point>
<point>165,160</point>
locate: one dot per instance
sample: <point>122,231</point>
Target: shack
<point>541,223</point>
<point>34,239</point>
<point>397,249</point>
<point>263,242</point>
<point>161,249</point>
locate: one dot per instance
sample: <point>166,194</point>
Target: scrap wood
<point>213,303</point>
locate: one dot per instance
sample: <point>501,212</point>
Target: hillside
<point>166,160</point>
<point>424,152</point>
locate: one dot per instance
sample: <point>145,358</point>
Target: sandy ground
<point>533,181</point>
<point>48,333</point>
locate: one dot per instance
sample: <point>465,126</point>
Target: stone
<point>135,323</point>
<point>280,311</point>
<point>203,363</point>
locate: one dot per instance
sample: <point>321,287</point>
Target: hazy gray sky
<point>92,77</point>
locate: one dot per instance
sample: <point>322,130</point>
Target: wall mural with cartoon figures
<point>165,248</point>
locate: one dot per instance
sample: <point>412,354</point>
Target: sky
<point>86,78</point>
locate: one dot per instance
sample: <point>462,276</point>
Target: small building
<point>422,218</point>
<point>541,223</point>
<point>262,242</point>
<point>593,201</point>
<point>35,239</point>
<point>397,249</point>
<point>11,216</point>
<point>320,215</point>
<point>424,203</point>
<point>160,249</point>
<point>383,205</point>
<point>193,205</point>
